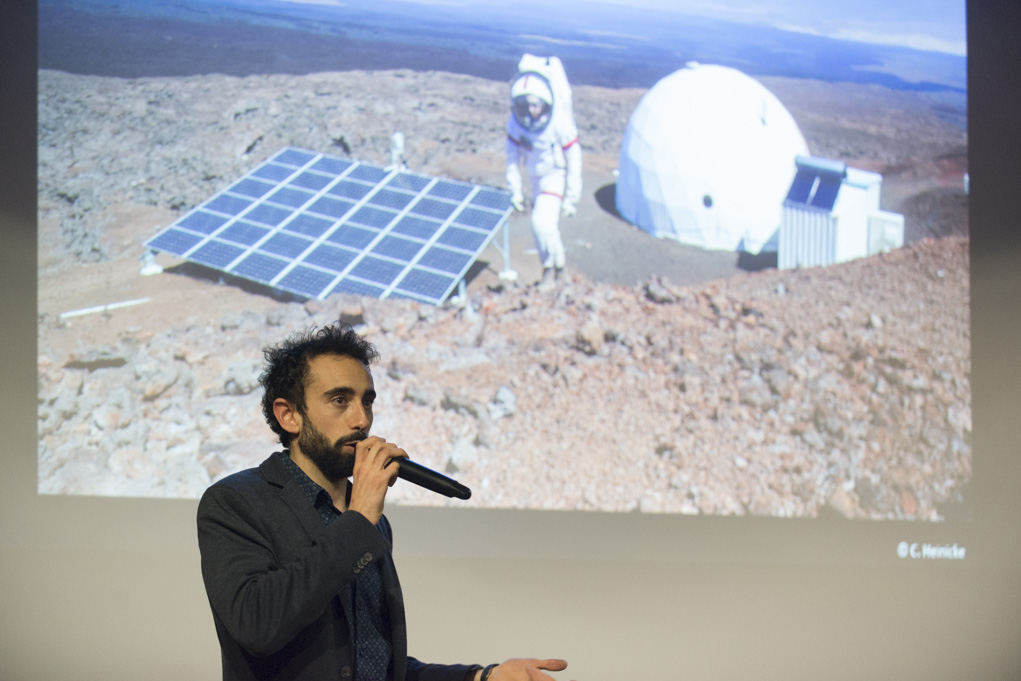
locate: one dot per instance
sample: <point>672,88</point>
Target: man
<point>542,135</point>
<point>296,554</point>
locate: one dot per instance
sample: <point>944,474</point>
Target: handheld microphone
<point>418,474</point>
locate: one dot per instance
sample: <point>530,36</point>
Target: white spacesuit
<point>541,133</point>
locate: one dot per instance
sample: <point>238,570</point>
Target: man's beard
<point>332,461</point>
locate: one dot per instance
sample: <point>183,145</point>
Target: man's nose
<point>358,417</point>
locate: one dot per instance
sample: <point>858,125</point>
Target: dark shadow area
<point>756,263</point>
<point>209,274</point>
<point>606,197</point>
<point>215,276</point>
<point>477,268</point>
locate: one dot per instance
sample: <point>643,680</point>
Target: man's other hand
<point>526,669</point>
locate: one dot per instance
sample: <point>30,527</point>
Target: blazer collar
<point>275,473</point>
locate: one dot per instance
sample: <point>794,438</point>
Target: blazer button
<point>345,672</point>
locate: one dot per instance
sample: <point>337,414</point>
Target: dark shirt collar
<point>317,496</point>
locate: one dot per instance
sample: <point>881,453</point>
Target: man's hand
<point>518,201</point>
<point>526,669</point>
<point>569,209</point>
<point>372,475</point>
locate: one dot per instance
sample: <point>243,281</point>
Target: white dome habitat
<point>707,159</point>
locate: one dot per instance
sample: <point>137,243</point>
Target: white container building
<point>831,214</point>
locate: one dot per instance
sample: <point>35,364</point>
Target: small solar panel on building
<point>313,225</point>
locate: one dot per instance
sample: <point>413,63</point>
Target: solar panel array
<point>815,188</point>
<point>314,225</point>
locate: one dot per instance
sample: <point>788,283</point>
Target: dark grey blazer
<point>275,576</point>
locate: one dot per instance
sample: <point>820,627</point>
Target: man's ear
<point>287,415</point>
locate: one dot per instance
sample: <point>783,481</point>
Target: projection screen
<point>730,368</point>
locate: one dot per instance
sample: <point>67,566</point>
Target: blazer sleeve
<point>265,577</point>
<point>421,671</point>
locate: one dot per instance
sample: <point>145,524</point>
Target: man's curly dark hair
<point>287,365</point>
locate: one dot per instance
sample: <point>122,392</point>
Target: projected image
<point>656,257</point>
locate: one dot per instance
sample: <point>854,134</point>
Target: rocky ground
<point>659,377</point>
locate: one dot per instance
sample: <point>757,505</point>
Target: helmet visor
<point>531,112</point>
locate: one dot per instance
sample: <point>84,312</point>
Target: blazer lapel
<point>276,474</point>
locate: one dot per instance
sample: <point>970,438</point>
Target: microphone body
<point>418,474</point>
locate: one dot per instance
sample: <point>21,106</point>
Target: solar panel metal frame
<point>356,230</point>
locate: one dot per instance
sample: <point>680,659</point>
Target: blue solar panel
<point>391,199</point>
<point>358,288</point>
<point>175,241</point>
<point>351,236</point>
<point>816,184</point>
<point>801,187</point>
<point>454,191</point>
<point>426,283</point>
<point>268,215</point>
<point>216,254</point>
<point>309,225</point>
<point>368,173</point>
<point>289,196</point>
<point>200,221</point>
<point>496,199</point>
<point>377,270</point>
<point>271,171</point>
<point>331,165</point>
<point>243,233</point>
<point>315,225</point>
<point>286,245</point>
<point>350,190</point>
<point>331,257</point>
<point>313,181</point>
<point>432,208</point>
<point>481,219</point>
<point>252,188</point>
<point>307,281</point>
<point>465,239</point>
<point>826,193</point>
<point>397,248</point>
<point>409,182</point>
<point>294,157</point>
<point>444,259</point>
<point>373,217</point>
<point>260,267</point>
<point>335,208</point>
<point>417,227</point>
<point>231,205</point>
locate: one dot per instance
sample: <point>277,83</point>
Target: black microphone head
<point>426,477</point>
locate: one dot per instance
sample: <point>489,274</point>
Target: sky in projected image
<point>664,375</point>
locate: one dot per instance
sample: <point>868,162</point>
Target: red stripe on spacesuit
<point>569,144</point>
<point>553,194</point>
<point>516,143</point>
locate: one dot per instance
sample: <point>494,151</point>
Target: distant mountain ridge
<point>606,47</point>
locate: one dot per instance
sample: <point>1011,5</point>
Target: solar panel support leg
<point>507,274</point>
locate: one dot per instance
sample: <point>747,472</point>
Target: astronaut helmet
<point>531,101</point>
